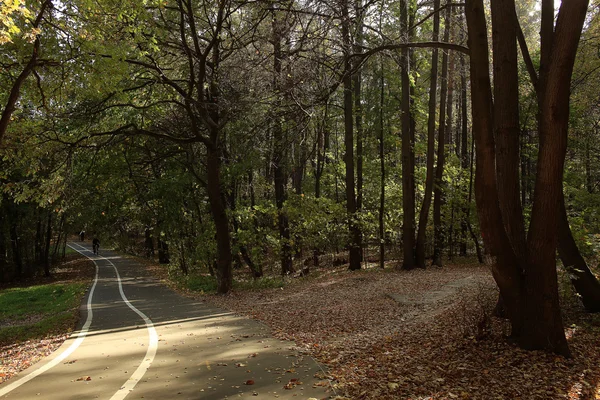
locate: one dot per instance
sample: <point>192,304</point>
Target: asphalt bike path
<point>138,339</point>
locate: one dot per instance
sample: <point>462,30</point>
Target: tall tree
<point>408,151</point>
<point>438,191</point>
<point>431,119</point>
<point>351,208</point>
<point>279,146</point>
<point>528,284</point>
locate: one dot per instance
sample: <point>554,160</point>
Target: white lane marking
<point>80,336</point>
<point>150,353</point>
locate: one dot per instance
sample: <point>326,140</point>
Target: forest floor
<point>423,334</point>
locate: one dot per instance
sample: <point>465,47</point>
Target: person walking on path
<point>82,235</point>
<point>95,245</point>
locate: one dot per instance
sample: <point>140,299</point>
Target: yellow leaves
<point>10,11</point>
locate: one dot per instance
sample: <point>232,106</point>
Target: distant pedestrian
<point>95,245</point>
<point>82,235</point>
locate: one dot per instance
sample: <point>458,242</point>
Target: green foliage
<point>319,222</point>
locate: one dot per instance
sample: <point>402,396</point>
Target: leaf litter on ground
<point>422,334</point>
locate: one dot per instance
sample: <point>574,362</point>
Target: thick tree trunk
<point>529,287</point>
<point>408,154</point>
<point>544,326</point>
<point>506,268</point>
<point>425,207</point>
<point>217,208</point>
<point>506,121</point>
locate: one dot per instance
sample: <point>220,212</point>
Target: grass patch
<point>201,283</point>
<point>38,311</point>
<point>69,250</point>
<point>52,325</point>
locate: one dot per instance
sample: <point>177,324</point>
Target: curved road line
<point>137,374</point>
<point>80,336</point>
<point>150,353</point>
<point>152,338</point>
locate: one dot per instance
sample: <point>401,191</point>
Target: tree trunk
<point>438,191</point>
<point>408,154</point>
<point>280,176</point>
<point>358,114</point>
<point>223,271</point>
<point>353,227</point>
<point>506,268</point>
<point>468,207</point>
<point>424,214</point>
<point>382,171</point>
<point>464,156</point>
<point>506,121</point>
<point>529,287</point>
<point>544,327</point>
<point>449,128</point>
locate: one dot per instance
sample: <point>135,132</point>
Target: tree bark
<point>438,191</point>
<point>224,271</point>
<point>382,171</point>
<point>506,268</point>
<point>506,121</point>
<point>528,285</point>
<point>280,177</point>
<point>464,156</point>
<point>353,226</point>
<point>425,207</point>
<point>544,327</point>
<point>408,153</point>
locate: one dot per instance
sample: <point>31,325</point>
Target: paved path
<point>140,340</point>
